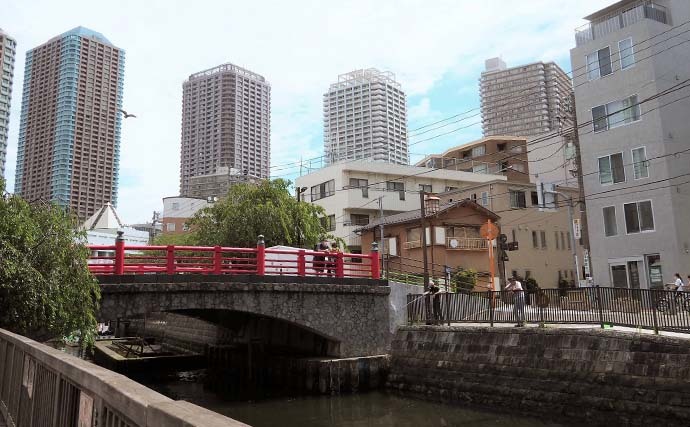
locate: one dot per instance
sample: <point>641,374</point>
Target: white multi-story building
<point>177,210</point>
<point>365,117</point>
<point>350,191</point>
<point>7,54</point>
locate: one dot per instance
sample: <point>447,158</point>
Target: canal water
<point>371,409</point>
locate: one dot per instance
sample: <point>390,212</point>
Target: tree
<point>464,280</point>
<point>46,289</point>
<point>250,209</point>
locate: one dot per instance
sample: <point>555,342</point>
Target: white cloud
<point>299,46</point>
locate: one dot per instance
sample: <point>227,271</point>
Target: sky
<point>436,48</point>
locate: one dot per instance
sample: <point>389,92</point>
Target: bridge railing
<point>42,386</point>
<point>136,259</point>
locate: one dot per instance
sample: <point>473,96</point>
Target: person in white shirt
<point>515,286</point>
<point>680,287</point>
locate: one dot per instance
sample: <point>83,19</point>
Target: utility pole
<point>580,180</point>
<point>422,199</point>
<point>383,244</point>
<point>544,204</point>
<point>573,243</point>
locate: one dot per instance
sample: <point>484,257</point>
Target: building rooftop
<point>83,32</point>
<point>416,214</point>
<point>104,218</point>
<point>369,75</point>
<point>610,9</point>
<point>227,67</point>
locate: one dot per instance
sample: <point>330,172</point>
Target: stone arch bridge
<point>350,315</point>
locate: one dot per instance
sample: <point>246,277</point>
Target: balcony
<point>467,244</point>
<point>598,28</point>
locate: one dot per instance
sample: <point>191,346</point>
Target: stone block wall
<point>576,375</point>
<point>180,331</point>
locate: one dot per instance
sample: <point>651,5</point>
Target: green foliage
<point>464,280</point>
<point>46,289</point>
<point>249,210</point>
<point>181,239</point>
<point>531,284</point>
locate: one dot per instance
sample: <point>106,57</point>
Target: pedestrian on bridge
<point>515,287</point>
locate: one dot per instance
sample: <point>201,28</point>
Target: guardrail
<point>41,386</point>
<point>658,310</point>
<point>129,259</point>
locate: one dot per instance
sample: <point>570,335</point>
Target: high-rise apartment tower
<point>8,51</point>
<point>365,117</point>
<point>69,132</point>
<point>527,100</point>
<point>226,122</point>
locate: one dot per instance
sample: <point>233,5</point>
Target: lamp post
<point>299,191</point>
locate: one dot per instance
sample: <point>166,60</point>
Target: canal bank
<point>583,376</point>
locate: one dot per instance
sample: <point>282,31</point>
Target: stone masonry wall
<point>577,375</point>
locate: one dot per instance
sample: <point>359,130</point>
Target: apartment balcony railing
<point>620,19</point>
<point>467,243</point>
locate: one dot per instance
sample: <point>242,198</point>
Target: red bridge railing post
<point>375,262</point>
<point>170,260</point>
<point>217,260</point>
<point>301,263</point>
<point>261,256</point>
<point>339,265</point>
<point>119,267</point>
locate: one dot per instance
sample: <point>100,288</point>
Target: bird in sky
<point>126,114</point>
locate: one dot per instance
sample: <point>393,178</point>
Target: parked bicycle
<point>680,299</point>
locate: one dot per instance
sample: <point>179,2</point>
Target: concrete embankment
<point>598,377</point>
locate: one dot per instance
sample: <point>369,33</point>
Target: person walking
<point>680,287</point>
<point>515,286</point>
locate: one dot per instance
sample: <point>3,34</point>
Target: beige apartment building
<point>350,192</point>
<point>544,239</point>
<point>527,100</point>
<point>217,184</point>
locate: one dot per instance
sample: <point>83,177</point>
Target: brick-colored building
<point>226,122</point>
<point>452,239</point>
<point>69,132</point>
<point>498,155</point>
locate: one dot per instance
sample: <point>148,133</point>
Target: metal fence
<point>638,308</point>
<point>43,387</point>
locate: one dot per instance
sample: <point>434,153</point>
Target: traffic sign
<point>488,231</point>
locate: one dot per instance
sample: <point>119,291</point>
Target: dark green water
<point>373,409</point>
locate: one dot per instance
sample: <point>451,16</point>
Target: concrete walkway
<point>580,326</point>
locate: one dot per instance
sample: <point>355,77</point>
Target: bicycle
<point>682,299</point>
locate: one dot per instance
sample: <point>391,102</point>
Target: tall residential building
<point>634,144</point>
<point>365,117</point>
<point>7,53</point>
<point>226,122</point>
<point>69,132</point>
<point>527,100</point>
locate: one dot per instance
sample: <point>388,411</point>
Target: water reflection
<point>374,409</point>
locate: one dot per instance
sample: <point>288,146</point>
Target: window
<point>543,239</point>
<point>517,199</point>
<point>610,227</point>
<point>325,189</point>
<point>638,217</point>
<point>562,240</point>
<point>396,186</point>
<point>556,235</point>
<point>328,222</point>
<point>535,240</point>
<point>175,206</point>
<point>568,239</point>
<point>170,226</point>
<point>358,183</point>
<point>481,168</point>
<point>627,56</point>
<point>640,163</point>
<point>501,147</point>
<point>611,169</point>
<point>425,188</point>
<point>615,114</point>
<point>512,232</point>
<point>535,198</point>
<point>479,150</point>
<point>599,63</point>
<point>359,219</point>
<point>485,199</point>
<point>451,188</point>
<point>528,274</point>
